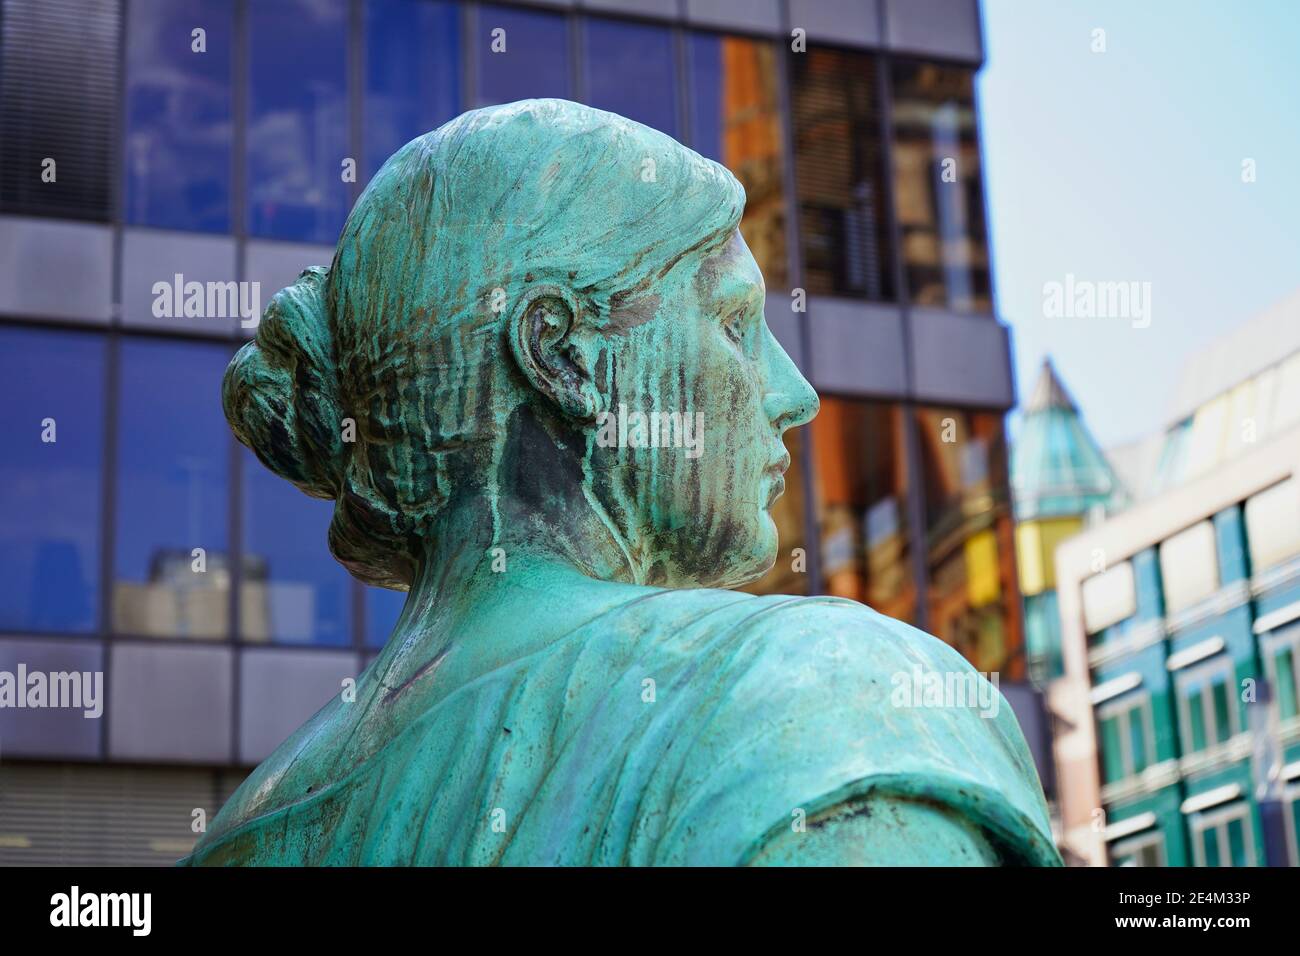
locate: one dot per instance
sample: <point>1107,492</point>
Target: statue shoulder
<point>825,702</point>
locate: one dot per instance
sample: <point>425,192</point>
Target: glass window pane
<point>412,73</point>
<point>1222,723</point>
<point>1237,842</point>
<point>1196,719</point>
<point>630,71</point>
<point>173,492</point>
<point>973,598</point>
<point>52,420</point>
<point>938,192</point>
<point>297,119</point>
<point>735,121</point>
<point>178,114</point>
<point>840,175</point>
<point>382,610</point>
<point>293,592</point>
<point>861,499</point>
<point>789,575</point>
<point>1153,854</point>
<point>1112,757</point>
<point>1138,737</point>
<point>1210,846</point>
<point>1286,682</point>
<point>1189,567</point>
<point>528,58</point>
<point>1273,524</point>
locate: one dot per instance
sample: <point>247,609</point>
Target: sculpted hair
<point>404,334</point>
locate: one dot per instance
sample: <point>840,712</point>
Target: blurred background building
<point>211,139</point>
<point>1173,680</point>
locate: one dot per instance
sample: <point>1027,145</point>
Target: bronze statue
<point>547,334</point>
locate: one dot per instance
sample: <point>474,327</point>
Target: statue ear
<point>552,349</point>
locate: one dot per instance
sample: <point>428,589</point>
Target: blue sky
<point>1127,166</point>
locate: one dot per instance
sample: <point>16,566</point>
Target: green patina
<point>570,682</point>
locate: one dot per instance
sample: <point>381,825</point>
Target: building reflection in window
<point>52,420</point>
<point>293,591</point>
<point>937,188</point>
<point>171,555</point>
<point>789,575</point>
<point>178,115</point>
<point>297,119</point>
<point>862,504</point>
<point>630,70</point>
<point>839,169</point>
<point>735,121</point>
<point>413,67</point>
<point>972,602</point>
<point>529,57</point>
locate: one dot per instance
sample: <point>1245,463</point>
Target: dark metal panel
<point>942,28</point>
<point>169,703</point>
<point>842,22</point>
<point>49,732</point>
<point>56,270</point>
<point>961,359</point>
<point>756,16</point>
<point>280,689</point>
<point>150,256</point>
<point>857,348</point>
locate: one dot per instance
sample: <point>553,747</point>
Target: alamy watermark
<point>76,690</point>
<point>964,688</point>
<point>1085,299</point>
<point>208,300</point>
<point>635,429</point>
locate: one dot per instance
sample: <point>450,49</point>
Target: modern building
<point>1177,727</point>
<point>1060,480</point>
<point>150,142</point>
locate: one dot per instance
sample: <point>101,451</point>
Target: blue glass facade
<point>52,418</point>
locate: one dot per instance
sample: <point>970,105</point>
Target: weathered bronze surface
<point>570,682</point>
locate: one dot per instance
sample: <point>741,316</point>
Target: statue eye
<point>731,325</point>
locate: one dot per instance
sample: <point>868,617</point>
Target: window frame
<point>1220,662</point>
<point>1219,819</point>
<point>1121,709</point>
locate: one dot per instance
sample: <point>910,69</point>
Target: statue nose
<point>791,407</point>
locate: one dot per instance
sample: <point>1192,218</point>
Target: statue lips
<point>776,471</point>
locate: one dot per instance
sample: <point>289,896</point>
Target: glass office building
<point>152,144</point>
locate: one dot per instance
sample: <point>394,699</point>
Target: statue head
<point>541,329</point>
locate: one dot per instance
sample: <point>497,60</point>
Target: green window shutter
<point>1137,732</point>
<point>1210,845</point>
<point>1286,697</point>
<point>1196,720</point>
<point>1111,755</point>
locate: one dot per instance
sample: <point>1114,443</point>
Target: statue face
<point>690,450</point>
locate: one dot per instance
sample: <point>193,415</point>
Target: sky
<point>1127,166</point>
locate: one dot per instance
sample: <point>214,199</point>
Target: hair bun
<point>281,393</point>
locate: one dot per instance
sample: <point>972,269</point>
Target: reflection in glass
<point>178,122</point>
<point>530,59</point>
<point>735,121</point>
<point>839,172</point>
<point>293,592</point>
<point>937,187</point>
<point>973,602</point>
<point>862,504</point>
<point>630,71</point>
<point>789,575</point>
<point>52,422</point>
<point>412,72</point>
<point>173,490</point>
<point>297,119</point>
